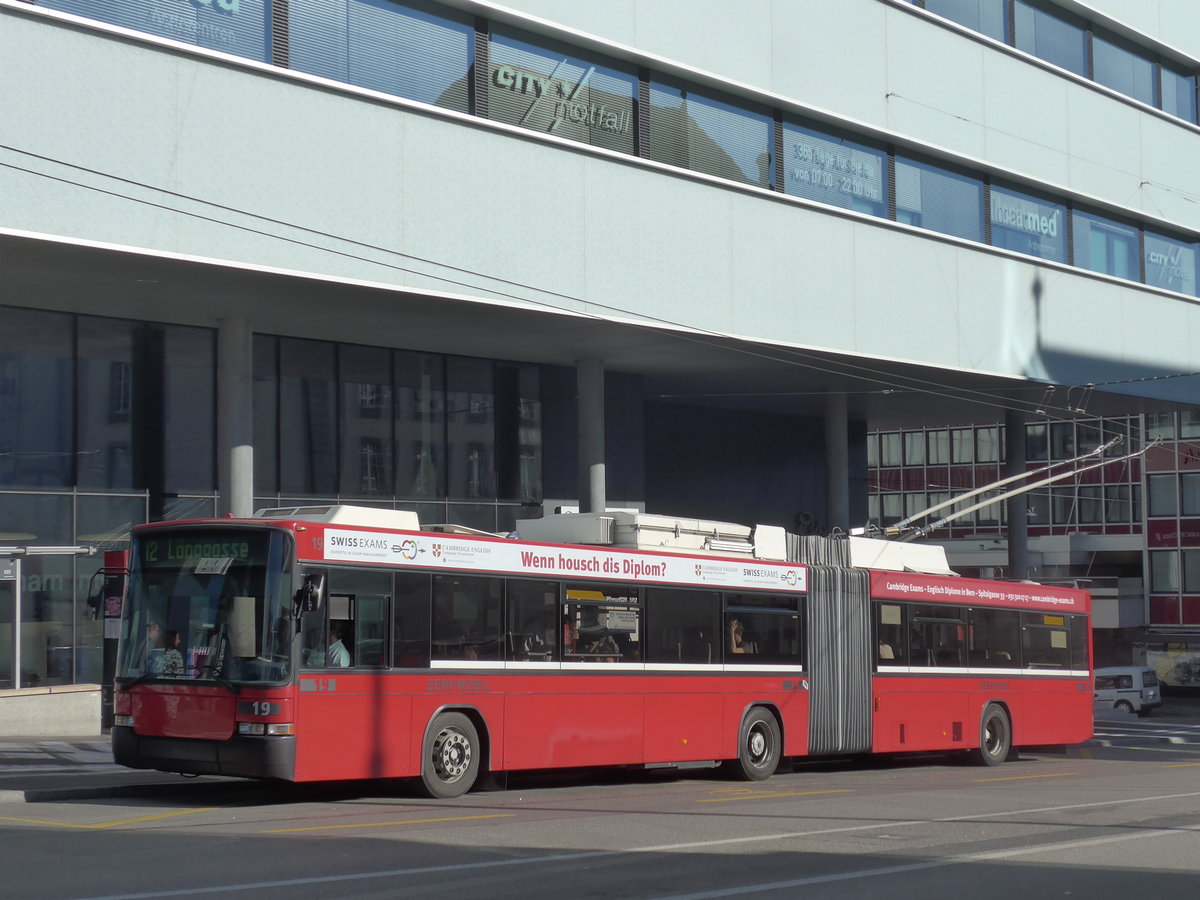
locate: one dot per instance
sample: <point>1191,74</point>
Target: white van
<point>1128,688</point>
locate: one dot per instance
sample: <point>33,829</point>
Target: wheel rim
<point>451,754</point>
<point>993,737</point>
<point>758,745</point>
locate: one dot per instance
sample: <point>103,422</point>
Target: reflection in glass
<point>1171,264</point>
<point>834,170</point>
<point>703,134</point>
<point>937,199</point>
<point>1028,225</point>
<point>365,384</point>
<point>106,393</point>
<point>403,50</point>
<point>984,16</point>
<point>1050,38</point>
<point>307,417</point>
<point>552,90</point>
<point>1106,246</point>
<point>36,399</point>
<point>1122,70</point>
<point>240,27</point>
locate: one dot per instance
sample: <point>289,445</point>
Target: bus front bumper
<point>241,757</point>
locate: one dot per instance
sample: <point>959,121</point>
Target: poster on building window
<point>1178,665</point>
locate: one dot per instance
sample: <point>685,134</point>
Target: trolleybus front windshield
<point>208,604</point>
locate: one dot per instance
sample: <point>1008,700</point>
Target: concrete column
<point>235,417</point>
<point>1016,507</point>
<point>589,405</point>
<point>837,463</point>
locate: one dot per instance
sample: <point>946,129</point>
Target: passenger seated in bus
<point>532,644</point>
<point>737,638</point>
<point>885,651</point>
<point>336,655</point>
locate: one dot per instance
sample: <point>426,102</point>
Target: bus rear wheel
<point>995,736</point>
<point>450,757</point>
<point>759,747</point>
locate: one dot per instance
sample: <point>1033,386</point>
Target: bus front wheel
<point>758,747</point>
<point>450,761</point>
<point>995,736</point>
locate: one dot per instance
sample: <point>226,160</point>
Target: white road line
<point>551,858</point>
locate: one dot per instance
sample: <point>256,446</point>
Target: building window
<point>1028,225</point>
<point>1163,495</point>
<point>1037,444</point>
<point>1191,571</point>
<point>1189,424</point>
<point>1164,571</point>
<point>1160,425</point>
<point>1171,264</point>
<point>938,443</point>
<point>962,445</point>
<point>1122,70</point>
<point>1120,504</point>
<point>704,134</point>
<point>939,200</point>
<point>985,16</point>
<point>240,27</point>
<point>1062,440</point>
<point>889,449</point>
<point>914,448</point>
<point>401,50</point>
<point>1189,493</point>
<point>834,170</point>
<point>1050,38</point>
<point>1178,93</point>
<point>551,89</point>
<point>1106,246</point>
<point>987,444</point>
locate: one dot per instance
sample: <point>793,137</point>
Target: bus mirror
<point>310,596</point>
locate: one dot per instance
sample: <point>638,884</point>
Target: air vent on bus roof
<point>342,514</point>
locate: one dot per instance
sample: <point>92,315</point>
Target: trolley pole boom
<point>1016,492</point>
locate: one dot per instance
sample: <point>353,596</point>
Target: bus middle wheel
<point>450,757</point>
<point>759,747</point>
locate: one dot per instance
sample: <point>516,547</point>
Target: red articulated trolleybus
<point>336,642</point>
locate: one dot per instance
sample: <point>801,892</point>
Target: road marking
<point>1027,777</point>
<point>963,859</point>
<point>1178,765</point>
<point>551,858</point>
<point>747,794</point>
<point>154,818</point>
<point>389,824</point>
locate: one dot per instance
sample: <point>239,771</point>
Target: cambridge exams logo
<point>408,549</point>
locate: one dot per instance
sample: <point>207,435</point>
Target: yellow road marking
<point>390,824</point>
<point>767,795</point>
<point>1025,777</point>
<point>1178,765</point>
<point>153,818</point>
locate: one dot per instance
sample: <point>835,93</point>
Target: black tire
<point>450,756</point>
<point>759,747</point>
<point>995,736</point>
<point>1124,706</point>
<point>1143,712</point>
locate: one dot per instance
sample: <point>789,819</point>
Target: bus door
<point>839,660</point>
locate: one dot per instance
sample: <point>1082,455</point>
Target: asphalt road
<point>1118,817</point>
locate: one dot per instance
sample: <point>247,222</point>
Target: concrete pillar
<point>589,403</point>
<point>837,463</point>
<point>235,417</point>
<point>1016,507</point>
